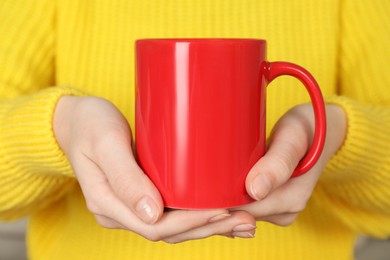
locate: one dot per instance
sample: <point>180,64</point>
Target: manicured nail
<point>147,210</point>
<point>261,186</point>
<point>244,228</point>
<point>243,234</point>
<point>219,217</point>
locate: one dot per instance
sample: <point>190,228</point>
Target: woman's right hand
<point>96,138</point>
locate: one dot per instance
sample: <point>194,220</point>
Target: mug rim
<point>201,40</point>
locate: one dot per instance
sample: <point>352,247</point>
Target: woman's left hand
<point>280,198</point>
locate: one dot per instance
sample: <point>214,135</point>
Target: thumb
<point>132,186</point>
<point>289,142</point>
<point>97,139</point>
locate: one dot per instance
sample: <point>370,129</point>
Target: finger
<point>108,222</point>
<point>103,202</point>
<point>238,223</point>
<point>190,223</point>
<point>291,198</point>
<point>288,144</point>
<point>99,196</point>
<point>283,220</point>
<point>180,221</point>
<point>109,210</point>
<point>127,179</point>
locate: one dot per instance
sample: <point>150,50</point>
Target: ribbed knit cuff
<point>355,183</point>
<point>364,149</point>
<point>27,139</point>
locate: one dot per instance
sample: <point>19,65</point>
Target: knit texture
<point>47,46</point>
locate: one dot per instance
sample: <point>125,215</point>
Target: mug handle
<point>275,69</point>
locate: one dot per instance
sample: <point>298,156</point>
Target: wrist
<point>336,127</point>
<point>63,113</point>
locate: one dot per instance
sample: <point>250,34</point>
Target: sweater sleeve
<point>34,172</point>
<point>356,182</point>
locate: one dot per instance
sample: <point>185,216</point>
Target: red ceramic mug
<point>200,117</point>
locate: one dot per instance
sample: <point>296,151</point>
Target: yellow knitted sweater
<point>47,46</point>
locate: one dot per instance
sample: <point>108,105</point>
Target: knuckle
<point>102,223</point>
<point>170,241</point>
<point>297,201</point>
<point>296,208</point>
<point>280,166</point>
<point>120,184</point>
<point>286,221</point>
<point>105,223</point>
<point>93,206</point>
<point>286,161</point>
<point>153,236</point>
<point>124,189</point>
<point>287,157</point>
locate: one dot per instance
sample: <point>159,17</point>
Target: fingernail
<point>243,234</point>
<point>261,186</point>
<point>147,210</point>
<point>244,227</point>
<point>219,217</point>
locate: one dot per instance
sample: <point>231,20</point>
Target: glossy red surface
<point>200,117</point>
